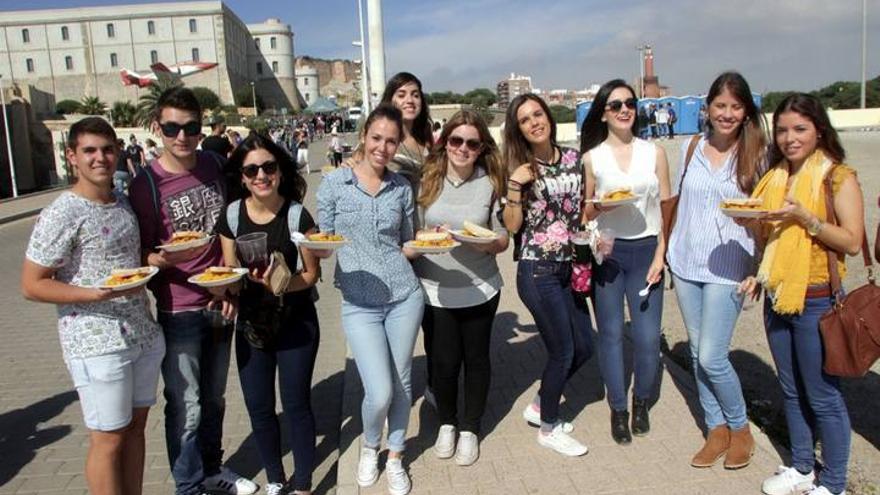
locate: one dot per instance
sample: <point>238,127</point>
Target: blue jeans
<point>813,400</point>
<point>621,277</point>
<point>563,320</point>
<point>382,339</point>
<point>710,312</point>
<point>195,368</point>
<point>292,356</point>
<point>121,180</point>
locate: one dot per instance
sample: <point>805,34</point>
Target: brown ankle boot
<point>742,446</point>
<point>717,443</point>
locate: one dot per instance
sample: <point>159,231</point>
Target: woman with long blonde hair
<point>462,184</point>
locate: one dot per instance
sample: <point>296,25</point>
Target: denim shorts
<point>111,385</point>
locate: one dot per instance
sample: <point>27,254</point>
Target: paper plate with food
<point>185,239</point>
<point>617,197</point>
<point>743,207</point>
<point>474,233</point>
<point>218,276</point>
<point>323,240</point>
<point>128,278</point>
<point>432,242</point>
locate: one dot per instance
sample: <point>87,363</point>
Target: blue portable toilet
<point>674,101</point>
<point>645,103</point>
<point>758,99</point>
<point>689,115</point>
<point>580,114</point>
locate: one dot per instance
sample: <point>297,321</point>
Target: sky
<point>460,45</point>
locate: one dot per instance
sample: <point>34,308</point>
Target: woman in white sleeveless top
<point>614,158</point>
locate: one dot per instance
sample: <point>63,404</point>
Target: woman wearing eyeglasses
<point>543,206</point>
<point>462,181</point>
<point>267,187</point>
<point>615,159</point>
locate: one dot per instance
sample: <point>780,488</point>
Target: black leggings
<point>454,336</point>
<point>293,355</point>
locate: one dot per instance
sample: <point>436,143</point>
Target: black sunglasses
<point>172,129</point>
<point>457,141</point>
<point>250,171</point>
<point>616,105</point>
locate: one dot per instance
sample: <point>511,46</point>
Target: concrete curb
<point>29,212</point>
<point>20,215</point>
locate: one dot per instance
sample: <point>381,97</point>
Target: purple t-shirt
<point>191,200</point>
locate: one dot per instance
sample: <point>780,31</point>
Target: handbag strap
<point>692,147</point>
<point>834,273</point>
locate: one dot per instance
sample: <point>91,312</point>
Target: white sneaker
<point>821,490</point>
<point>444,447</point>
<point>559,441</point>
<point>398,480</point>
<point>230,482</point>
<point>430,398</point>
<point>273,488</point>
<point>788,481</point>
<point>532,415</point>
<point>368,467</point>
<point>468,450</point>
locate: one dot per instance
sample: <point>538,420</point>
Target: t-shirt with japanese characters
<point>191,200</point>
<point>83,241</point>
<point>552,206</point>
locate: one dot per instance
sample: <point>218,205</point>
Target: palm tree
<point>147,103</point>
<point>91,105</point>
<point>123,114</point>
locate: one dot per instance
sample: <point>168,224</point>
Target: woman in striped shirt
<point>710,256</point>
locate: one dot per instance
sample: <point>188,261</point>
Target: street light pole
<point>641,49</point>
<point>8,141</point>
<point>365,78</point>
<point>864,51</point>
<point>377,46</point>
<point>254,98</point>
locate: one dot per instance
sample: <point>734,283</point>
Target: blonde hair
<point>434,171</point>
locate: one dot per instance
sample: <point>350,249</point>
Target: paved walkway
<point>43,442</point>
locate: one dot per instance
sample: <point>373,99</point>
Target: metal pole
<point>640,48</point>
<point>8,141</point>
<point>864,51</point>
<point>365,78</point>
<point>254,98</point>
<point>377,46</point>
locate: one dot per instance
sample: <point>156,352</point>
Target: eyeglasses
<point>172,129</point>
<point>250,171</point>
<point>616,105</point>
<point>457,141</point>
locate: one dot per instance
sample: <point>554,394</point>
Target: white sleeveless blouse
<point>635,220</point>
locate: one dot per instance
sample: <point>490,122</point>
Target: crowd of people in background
<point>408,176</point>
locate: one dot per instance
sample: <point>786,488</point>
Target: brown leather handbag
<point>669,206</point>
<point>851,328</point>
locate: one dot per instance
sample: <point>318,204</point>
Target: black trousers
<point>456,336</point>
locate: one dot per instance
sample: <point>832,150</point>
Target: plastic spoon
<point>644,292</point>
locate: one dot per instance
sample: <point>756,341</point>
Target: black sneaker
<point>620,427</point>
<point>641,425</point>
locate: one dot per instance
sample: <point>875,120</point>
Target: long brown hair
<point>421,127</point>
<point>434,171</point>
<point>810,107</point>
<point>751,148</point>
<point>516,149</point>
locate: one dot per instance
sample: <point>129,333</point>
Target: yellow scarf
<point>785,268</point>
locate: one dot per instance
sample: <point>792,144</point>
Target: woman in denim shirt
<point>383,302</point>
<point>543,203</point>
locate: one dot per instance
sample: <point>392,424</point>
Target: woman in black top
<point>274,332</point>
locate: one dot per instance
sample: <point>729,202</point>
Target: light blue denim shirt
<point>706,245</point>
<point>371,269</point>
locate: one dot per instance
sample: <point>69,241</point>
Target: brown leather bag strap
<point>833,272</point>
<point>692,147</point>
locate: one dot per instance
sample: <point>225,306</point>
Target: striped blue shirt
<point>371,269</point>
<point>706,245</point>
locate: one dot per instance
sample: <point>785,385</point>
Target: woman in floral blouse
<point>543,207</point>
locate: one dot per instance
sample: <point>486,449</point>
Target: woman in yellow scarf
<point>794,272</point>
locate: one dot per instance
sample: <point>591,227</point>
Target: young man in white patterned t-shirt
<point>112,346</point>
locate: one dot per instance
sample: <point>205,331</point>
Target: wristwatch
<point>815,226</point>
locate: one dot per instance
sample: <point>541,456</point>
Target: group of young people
<point>402,180</point>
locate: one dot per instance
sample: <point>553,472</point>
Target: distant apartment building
<point>72,53</point>
<point>512,87</point>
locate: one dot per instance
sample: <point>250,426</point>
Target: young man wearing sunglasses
<point>183,190</point>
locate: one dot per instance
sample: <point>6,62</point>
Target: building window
<point>26,35</point>
<point>260,68</point>
<point>29,63</point>
<point>68,62</point>
<point>65,33</point>
<point>275,67</point>
<point>308,97</point>
<point>111,31</point>
<point>193,27</point>
<point>114,62</point>
<point>273,43</point>
<point>151,27</point>
<point>195,54</point>
<point>154,57</point>
<point>257,43</point>
<point>305,81</point>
